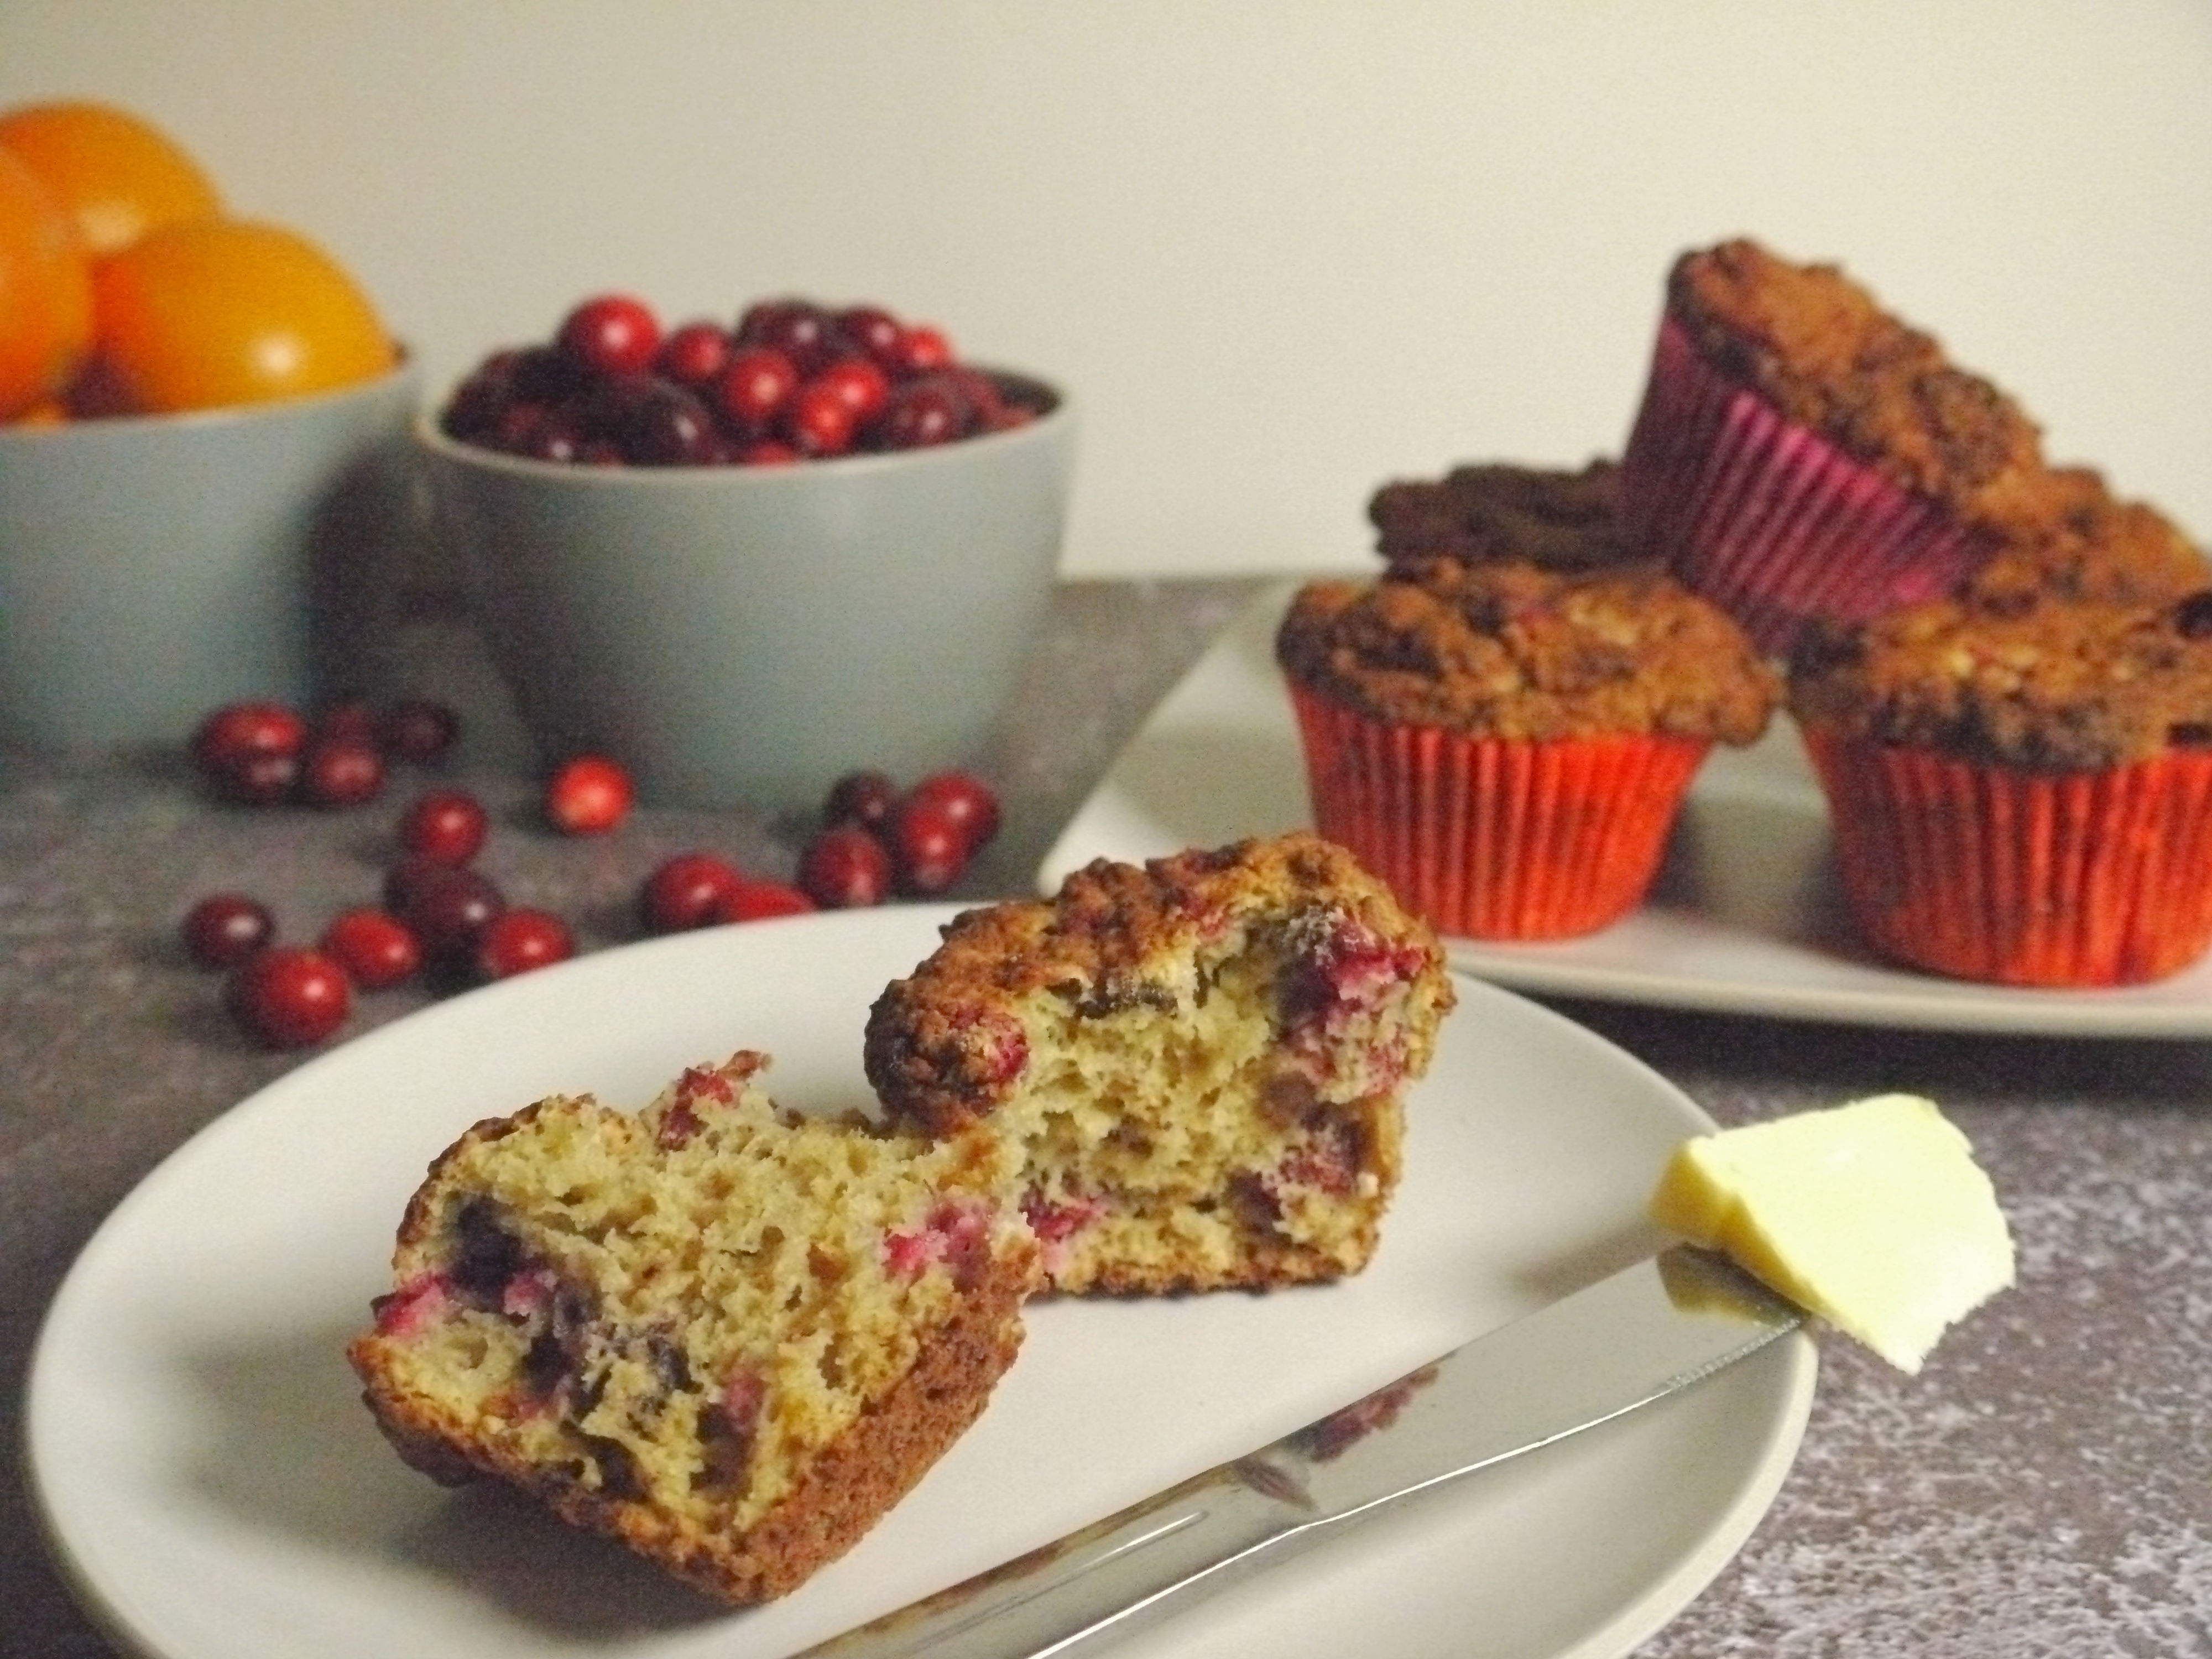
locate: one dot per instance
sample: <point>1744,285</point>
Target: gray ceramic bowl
<point>746,635</point>
<point>153,568</point>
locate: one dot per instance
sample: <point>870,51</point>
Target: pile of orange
<point>126,287</point>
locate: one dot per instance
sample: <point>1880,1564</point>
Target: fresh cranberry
<point>800,329</point>
<point>921,413</point>
<point>475,409</point>
<point>652,422</point>
<point>818,420</point>
<point>420,730</point>
<point>288,996</point>
<point>844,867</point>
<point>858,383</point>
<point>223,929</point>
<point>520,939</point>
<point>757,901</point>
<point>588,796</point>
<point>612,334</point>
<point>447,825</point>
<point>876,332</point>
<point>752,391</point>
<point>922,348</point>
<point>447,905</point>
<point>341,772</point>
<point>261,779</point>
<point>928,849</point>
<point>233,744</point>
<point>375,947</point>
<point>864,797</point>
<point>964,797</point>
<point>686,891</point>
<point>694,355</point>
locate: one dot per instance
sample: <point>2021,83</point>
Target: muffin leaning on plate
<point>1800,453</point>
<point>1507,747</point>
<point>2020,794</point>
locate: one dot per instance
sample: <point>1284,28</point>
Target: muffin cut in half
<point>729,1336</point>
<point>1201,1061</point>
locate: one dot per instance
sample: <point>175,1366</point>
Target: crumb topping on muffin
<point>2072,538</point>
<point>2048,685</point>
<point>1823,350</point>
<point>1560,519</point>
<point>1510,650</point>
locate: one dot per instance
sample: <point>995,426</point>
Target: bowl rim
<point>1046,427</point>
<point>406,370</point>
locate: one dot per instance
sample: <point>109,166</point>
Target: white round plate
<point>216,1492</point>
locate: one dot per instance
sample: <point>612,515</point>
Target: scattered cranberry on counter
<point>687,892</point>
<point>516,941</point>
<point>588,796</point>
<point>223,929</point>
<point>791,380</point>
<point>289,996</point>
<point>757,901</point>
<point>929,847</point>
<point>447,826</point>
<point>375,947</point>
<point>864,797</point>
<point>251,751</point>
<point>964,799</point>
<point>340,771</point>
<point>417,730</point>
<point>448,906</point>
<point>845,867</point>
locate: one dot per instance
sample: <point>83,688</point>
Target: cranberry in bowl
<point>746,559</point>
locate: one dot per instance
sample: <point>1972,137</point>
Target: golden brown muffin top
<point>1561,521</point>
<point>1509,650</point>
<point>1819,347</point>
<point>2053,687</point>
<point>945,1044</point>
<point>2072,538</point>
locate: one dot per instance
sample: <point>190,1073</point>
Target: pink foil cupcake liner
<point>1497,838</point>
<point>1772,522</point>
<point>1985,872</point>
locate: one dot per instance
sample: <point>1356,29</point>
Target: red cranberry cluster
<point>792,380</point>
<point>877,843</point>
<point>261,754</point>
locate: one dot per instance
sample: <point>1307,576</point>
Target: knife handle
<point>1120,1573</point>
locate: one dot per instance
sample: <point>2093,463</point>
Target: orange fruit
<point>45,292</point>
<point>207,314</point>
<point>119,175</point>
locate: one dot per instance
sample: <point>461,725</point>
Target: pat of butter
<point>1873,1216</point>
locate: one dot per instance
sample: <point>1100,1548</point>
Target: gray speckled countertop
<point>2044,1488</point>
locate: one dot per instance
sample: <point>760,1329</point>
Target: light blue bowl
<point>747,635</point>
<point>154,568</point>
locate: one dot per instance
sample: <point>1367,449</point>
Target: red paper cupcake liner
<point>1770,521</point>
<point>1984,872</point>
<point>1497,838</point>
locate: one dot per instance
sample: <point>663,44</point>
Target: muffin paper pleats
<point>1772,522</point>
<point>1498,838</point>
<point>2063,879</point>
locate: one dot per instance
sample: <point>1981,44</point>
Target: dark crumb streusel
<point>1478,513</point>
<point>1824,352</point>
<point>2074,539</point>
<point>2046,685</point>
<point>1510,650</point>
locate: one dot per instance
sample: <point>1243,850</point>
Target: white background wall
<point>1281,252</point>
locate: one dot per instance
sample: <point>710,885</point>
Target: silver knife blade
<point>1645,1333</point>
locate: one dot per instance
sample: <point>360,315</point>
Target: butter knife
<point>1649,1331</point>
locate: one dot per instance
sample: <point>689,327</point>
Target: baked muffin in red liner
<point>1497,838</point>
<point>2025,797</point>
<point>1507,746</point>
<point>1984,872</point>
<point>1800,454</point>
